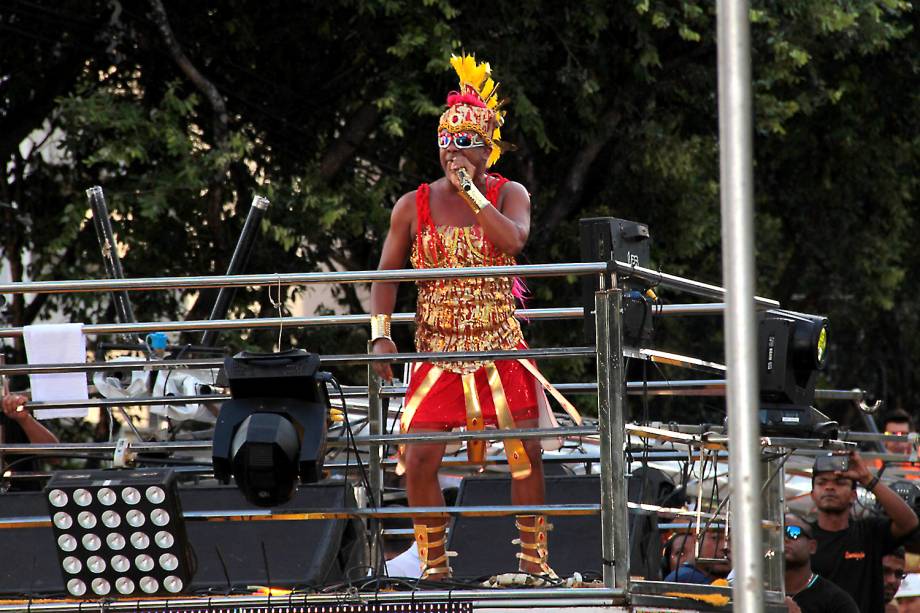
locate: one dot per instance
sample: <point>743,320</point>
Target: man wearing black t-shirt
<point>809,592</point>
<point>19,427</point>
<point>849,550</point>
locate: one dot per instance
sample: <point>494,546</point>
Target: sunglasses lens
<point>793,532</point>
<point>463,141</point>
<point>443,141</point>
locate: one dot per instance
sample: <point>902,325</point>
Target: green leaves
<point>613,107</point>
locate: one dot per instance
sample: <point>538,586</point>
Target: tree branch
<point>221,140</point>
<point>357,129</point>
<point>574,183</point>
<point>204,85</point>
<point>20,120</point>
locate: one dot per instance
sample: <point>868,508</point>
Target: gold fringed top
<point>475,314</point>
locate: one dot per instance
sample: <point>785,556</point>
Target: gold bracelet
<point>474,206</point>
<point>470,193</point>
<point>380,326</point>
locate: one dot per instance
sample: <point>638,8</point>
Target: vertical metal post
<point>110,258</point>
<point>610,412</point>
<point>375,461</point>
<point>774,504</point>
<point>737,203</point>
<point>237,263</point>
<point>4,392</point>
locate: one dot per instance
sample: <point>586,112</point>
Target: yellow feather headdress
<point>476,107</point>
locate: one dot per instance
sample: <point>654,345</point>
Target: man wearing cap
<point>808,591</point>
<point>849,551</point>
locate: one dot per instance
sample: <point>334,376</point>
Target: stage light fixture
<point>119,532</point>
<point>792,349</point>
<point>273,430</point>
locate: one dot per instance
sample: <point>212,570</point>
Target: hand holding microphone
<point>470,193</point>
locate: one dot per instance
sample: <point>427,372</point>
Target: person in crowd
<point>680,549</point>
<point>711,563</point>
<point>18,426</point>
<point>849,551</point>
<point>807,591</point>
<point>893,574</point>
<point>898,421</point>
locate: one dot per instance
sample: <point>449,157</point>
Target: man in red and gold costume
<point>469,217</point>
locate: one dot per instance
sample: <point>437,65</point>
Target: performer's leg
<point>422,464</point>
<point>530,491</point>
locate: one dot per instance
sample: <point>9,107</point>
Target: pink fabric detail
<point>467,99</point>
<point>518,286</point>
<point>520,291</point>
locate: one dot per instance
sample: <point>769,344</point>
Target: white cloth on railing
<point>57,344</point>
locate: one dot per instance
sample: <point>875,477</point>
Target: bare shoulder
<point>515,195</point>
<point>512,191</point>
<point>404,209</point>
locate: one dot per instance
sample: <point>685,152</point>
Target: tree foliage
<point>329,111</point>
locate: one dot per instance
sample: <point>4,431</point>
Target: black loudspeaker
<point>484,547</point>
<point>30,563</point>
<point>298,552</point>
<point>604,239</point>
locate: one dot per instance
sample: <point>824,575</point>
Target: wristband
<point>380,327</point>
<point>872,483</point>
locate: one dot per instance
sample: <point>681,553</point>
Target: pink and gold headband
<point>476,106</point>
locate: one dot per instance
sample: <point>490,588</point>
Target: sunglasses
<point>794,533</point>
<point>462,140</point>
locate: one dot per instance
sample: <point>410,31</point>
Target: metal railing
<point>609,350</point>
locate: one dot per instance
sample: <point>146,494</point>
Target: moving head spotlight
<point>792,348</point>
<point>274,428</point>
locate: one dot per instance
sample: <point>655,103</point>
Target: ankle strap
<point>539,524</point>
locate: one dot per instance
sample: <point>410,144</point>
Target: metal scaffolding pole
<point>611,422</point>
<point>238,261</point>
<point>109,249</point>
<point>737,204</point>
<point>377,426</point>
<point>664,310</point>
<point>367,276</point>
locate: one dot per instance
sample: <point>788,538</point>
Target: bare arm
<point>394,256</point>
<point>36,432</point>
<point>509,228</point>
<point>903,519</point>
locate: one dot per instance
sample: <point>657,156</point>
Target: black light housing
<point>119,533</point>
<point>792,349</point>
<point>273,430</point>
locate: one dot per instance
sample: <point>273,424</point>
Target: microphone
<point>471,193</point>
<point>466,183</point>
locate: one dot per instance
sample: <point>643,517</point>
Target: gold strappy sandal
<point>438,566</point>
<point>536,550</point>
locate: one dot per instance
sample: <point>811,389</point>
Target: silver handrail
<point>303,278</point>
<point>367,276</point>
<point>690,309</point>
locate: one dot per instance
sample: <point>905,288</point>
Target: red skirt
<point>444,406</point>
